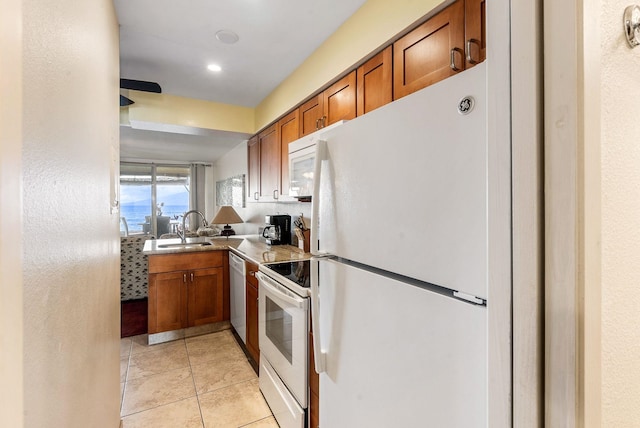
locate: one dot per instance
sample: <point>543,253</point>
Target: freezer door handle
<point>318,355</point>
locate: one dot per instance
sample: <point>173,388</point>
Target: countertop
<point>247,246</point>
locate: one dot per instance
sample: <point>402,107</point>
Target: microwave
<point>302,157</point>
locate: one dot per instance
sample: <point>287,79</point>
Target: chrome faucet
<point>183,234</point>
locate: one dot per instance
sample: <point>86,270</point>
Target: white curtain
<point>201,191</point>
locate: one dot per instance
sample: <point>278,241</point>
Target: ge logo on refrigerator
<point>465,105</point>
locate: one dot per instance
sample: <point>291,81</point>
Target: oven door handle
<point>273,288</point>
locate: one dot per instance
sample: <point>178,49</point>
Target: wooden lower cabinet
<point>205,300</point>
<point>179,297</point>
<point>314,389</point>
<point>253,345</point>
<point>167,301</point>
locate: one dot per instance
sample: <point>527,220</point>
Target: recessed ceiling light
<point>214,67</point>
<point>227,36</point>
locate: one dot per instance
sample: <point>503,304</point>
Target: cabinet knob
<point>191,276</point>
<point>184,278</point>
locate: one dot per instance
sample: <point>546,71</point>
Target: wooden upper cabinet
<point>269,161</point>
<point>431,52</point>
<point>475,32</point>
<point>309,115</point>
<point>288,128</point>
<point>339,100</point>
<point>253,154</point>
<point>375,82</point>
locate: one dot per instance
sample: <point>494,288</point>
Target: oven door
<point>283,328</point>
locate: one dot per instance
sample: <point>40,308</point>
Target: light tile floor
<point>203,381</point>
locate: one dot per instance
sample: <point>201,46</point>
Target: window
<point>153,197</point>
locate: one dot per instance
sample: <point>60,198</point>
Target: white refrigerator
<point>399,281</point>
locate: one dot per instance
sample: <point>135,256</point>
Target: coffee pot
<point>272,233</point>
<point>278,229</point>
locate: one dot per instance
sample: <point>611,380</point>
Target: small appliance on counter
<point>278,229</point>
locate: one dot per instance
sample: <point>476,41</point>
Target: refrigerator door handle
<point>321,147</point>
<point>318,354</point>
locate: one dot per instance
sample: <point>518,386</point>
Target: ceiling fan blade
<point>124,101</point>
<point>140,85</point>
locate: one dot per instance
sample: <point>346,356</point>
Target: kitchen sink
<point>185,245</point>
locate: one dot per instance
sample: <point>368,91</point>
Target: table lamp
<point>226,215</point>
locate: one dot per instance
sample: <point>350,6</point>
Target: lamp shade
<point>226,215</point>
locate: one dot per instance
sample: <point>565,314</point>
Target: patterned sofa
<point>133,267</point>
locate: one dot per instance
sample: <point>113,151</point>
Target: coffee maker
<point>278,229</point>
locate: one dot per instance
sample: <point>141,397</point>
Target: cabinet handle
<point>452,65</point>
<point>252,273</point>
<point>184,278</point>
<point>255,196</point>
<point>317,122</point>
<point>470,42</point>
<point>324,121</point>
<point>191,276</point>
<point>275,194</point>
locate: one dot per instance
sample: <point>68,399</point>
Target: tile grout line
<point>195,387</point>
<point>126,376</point>
<point>142,377</point>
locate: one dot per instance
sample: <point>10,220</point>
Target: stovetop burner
<point>298,272</point>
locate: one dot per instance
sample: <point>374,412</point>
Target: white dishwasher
<point>238,295</point>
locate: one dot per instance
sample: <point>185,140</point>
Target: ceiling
<point>172,42</point>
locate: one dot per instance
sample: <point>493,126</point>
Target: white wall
<point>620,230</point>
<point>234,163</point>
<point>71,246</point>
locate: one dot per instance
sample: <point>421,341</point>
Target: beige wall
<point>71,247</point>
<point>369,28</point>
<point>11,367</point>
<point>620,232</point>
<point>374,24</point>
<point>187,112</point>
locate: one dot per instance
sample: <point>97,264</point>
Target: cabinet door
<point>310,115</point>
<point>206,301</point>
<point>375,82</point>
<point>167,301</point>
<point>253,155</point>
<point>288,130</point>
<point>269,162</point>
<point>340,100</point>
<point>430,53</point>
<point>314,388</point>
<point>475,32</point>
<point>252,322</point>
